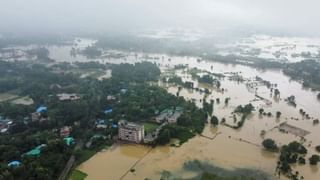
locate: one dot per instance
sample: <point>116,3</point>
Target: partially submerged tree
<point>278,114</point>
<point>314,159</point>
<point>214,120</point>
<point>270,145</point>
<point>261,110</point>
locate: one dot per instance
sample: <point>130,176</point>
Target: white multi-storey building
<point>129,131</point>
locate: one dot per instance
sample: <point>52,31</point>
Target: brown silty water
<point>231,149</point>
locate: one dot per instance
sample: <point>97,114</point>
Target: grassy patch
<point>84,155</point>
<point>77,175</point>
<point>150,127</point>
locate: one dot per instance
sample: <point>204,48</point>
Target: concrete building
<point>169,115</point>
<point>129,131</point>
<point>35,116</point>
<point>174,117</point>
<point>68,97</point>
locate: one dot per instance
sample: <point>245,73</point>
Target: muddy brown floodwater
<point>230,149</point>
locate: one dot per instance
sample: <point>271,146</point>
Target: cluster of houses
<point>37,116</point>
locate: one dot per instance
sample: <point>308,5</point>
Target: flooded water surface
<point>230,149</point>
<point>220,146</point>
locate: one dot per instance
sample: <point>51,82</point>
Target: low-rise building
<point>68,97</point>
<point>111,98</point>
<point>36,116</point>
<point>161,117</point>
<point>174,117</point>
<point>169,115</point>
<point>65,131</point>
<point>129,131</point>
<point>101,124</point>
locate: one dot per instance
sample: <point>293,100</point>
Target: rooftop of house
<point>68,140</point>
<point>111,97</point>
<point>130,125</point>
<point>14,163</point>
<point>36,151</point>
<point>66,96</point>
<point>176,115</point>
<point>108,110</point>
<point>41,109</point>
<point>101,122</point>
<point>169,112</point>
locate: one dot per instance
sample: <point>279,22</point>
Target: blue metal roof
<point>41,109</point>
<point>14,163</point>
<point>108,110</point>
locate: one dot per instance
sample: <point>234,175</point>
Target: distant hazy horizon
<point>74,16</point>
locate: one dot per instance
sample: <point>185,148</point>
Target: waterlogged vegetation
<point>216,173</point>
<point>307,71</point>
<point>270,145</point>
<point>209,176</point>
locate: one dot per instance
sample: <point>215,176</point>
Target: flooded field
<point>223,146</point>
<point>287,49</point>
<point>230,149</point>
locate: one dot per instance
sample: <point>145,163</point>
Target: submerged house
<point>129,131</point>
